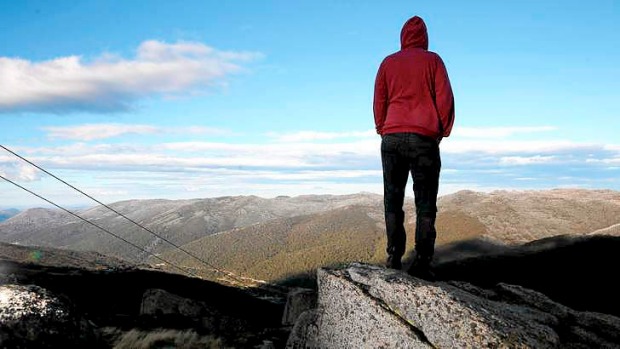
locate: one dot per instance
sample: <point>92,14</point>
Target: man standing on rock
<point>414,110</point>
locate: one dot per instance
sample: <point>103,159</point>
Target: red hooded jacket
<point>412,89</point>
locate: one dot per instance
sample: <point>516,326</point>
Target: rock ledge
<point>364,306</point>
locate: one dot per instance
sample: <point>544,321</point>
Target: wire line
<point>98,226</point>
<point>115,211</point>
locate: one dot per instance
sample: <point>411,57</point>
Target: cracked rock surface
<point>364,306</point>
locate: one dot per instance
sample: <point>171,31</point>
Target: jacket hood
<point>414,34</point>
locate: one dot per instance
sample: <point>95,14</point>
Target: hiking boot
<point>421,268</point>
<point>394,262</point>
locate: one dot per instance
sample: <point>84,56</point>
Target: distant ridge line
<point>210,266</point>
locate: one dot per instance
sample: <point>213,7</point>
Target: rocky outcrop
<point>172,308</point>
<point>32,317</point>
<point>364,306</point>
<point>161,307</point>
<point>161,302</point>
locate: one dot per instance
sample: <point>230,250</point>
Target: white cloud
<point>607,161</point>
<point>355,154</point>
<point>612,147</point>
<point>17,171</point>
<point>293,154</point>
<point>196,130</point>
<point>97,131</point>
<point>499,132</point>
<point>89,132</point>
<point>481,133</point>
<point>304,136</point>
<point>164,162</point>
<point>311,175</point>
<point>525,160</point>
<point>507,147</point>
<point>304,163</point>
<point>488,141</point>
<point>196,155</point>
<point>110,83</point>
<point>105,193</point>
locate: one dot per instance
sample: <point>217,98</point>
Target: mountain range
<point>279,238</point>
<point>179,221</point>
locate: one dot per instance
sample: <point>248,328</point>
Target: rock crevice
<point>368,291</point>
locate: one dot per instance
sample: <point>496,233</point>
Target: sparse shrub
<point>166,339</point>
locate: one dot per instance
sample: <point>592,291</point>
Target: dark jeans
<point>402,153</point>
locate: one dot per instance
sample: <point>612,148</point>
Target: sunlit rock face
<point>364,306</point>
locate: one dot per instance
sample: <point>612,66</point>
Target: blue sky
<point>162,99</point>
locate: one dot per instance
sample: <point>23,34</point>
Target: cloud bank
<point>303,162</point>
<point>111,83</point>
<point>90,132</point>
<point>16,170</point>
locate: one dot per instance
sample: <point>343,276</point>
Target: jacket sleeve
<point>380,102</point>
<point>444,99</point>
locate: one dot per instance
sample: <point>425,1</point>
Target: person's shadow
<point>579,272</point>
